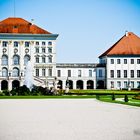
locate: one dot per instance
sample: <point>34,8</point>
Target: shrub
<point>113,97</point>
<point>97,97</point>
<point>126,98</point>
<point>6,92</point>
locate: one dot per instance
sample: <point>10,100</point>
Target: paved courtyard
<point>67,119</point>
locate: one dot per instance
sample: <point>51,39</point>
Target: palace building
<point>22,41</point>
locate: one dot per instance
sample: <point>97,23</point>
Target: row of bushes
<point>113,97</point>
<point>24,91</point>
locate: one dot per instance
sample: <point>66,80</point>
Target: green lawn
<point>131,101</point>
<point>104,91</point>
<point>47,97</point>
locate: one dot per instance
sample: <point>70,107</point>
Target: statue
<point>67,86</point>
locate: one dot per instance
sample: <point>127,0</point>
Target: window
<point>37,50</point>
<point>37,59</point>
<point>138,84</point>
<point>59,73</point>
<point>50,59</point>
<point>132,73</point>
<point>100,73</point>
<point>90,73</point>
<point>118,73</point>
<point>118,84</point>
<point>26,59</point>
<point>112,73</point>
<point>4,60</point>
<point>49,43</point>
<point>125,84</point>
<point>79,73</point>
<point>138,73</point>
<point>112,84</point>
<point>132,84</point>
<point>125,73</point>
<point>43,50</point>
<point>43,59</point>
<point>4,43</point>
<point>43,43</point>
<point>27,44</point>
<point>15,72</point>
<point>112,61</point>
<point>132,61</point>
<point>49,50</point>
<point>4,72</point>
<point>125,61</point>
<point>37,72</point>
<point>138,61</point>
<point>118,61</point>
<point>15,44</point>
<point>69,73</point>
<point>49,72</point>
<point>16,60</point>
<point>37,43</point>
<point>43,72</point>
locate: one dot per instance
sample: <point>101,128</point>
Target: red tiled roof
<point>20,26</point>
<point>128,45</point>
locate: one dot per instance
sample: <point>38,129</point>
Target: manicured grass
<point>131,101</point>
<point>104,91</point>
<point>47,97</point>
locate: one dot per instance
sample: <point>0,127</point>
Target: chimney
<point>126,33</point>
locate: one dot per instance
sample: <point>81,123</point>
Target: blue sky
<point>86,28</point>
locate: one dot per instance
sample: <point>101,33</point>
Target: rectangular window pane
<point>132,61</point>
<point>112,73</point>
<point>125,61</point>
<point>132,84</point>
<point>138,84</point>
<point>59,73</point>
<point>118,61</point>
<point>43,72</point>
<point>37,72</point>
<point>118,73</point>
<point>100,73</point>
<point>132,73</point>
<point>69,73</point>
<point>49,72</point>
<point>43,50</point>
<point>138,73</point>
<point>125,73</point>
<point>125,84</point>
<point>112,61</point>
<point>90,73</point>
<point>138,61</point>
<point>79,73</point>
<point>118,84</point>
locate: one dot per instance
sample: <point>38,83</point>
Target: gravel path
<point>67,119</point>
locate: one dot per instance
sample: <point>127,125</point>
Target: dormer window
<point>15,44</point>
<point>49,43</point>
<point>37,43</point>
<point>43,43</point>
<point>27,44</point>
<point>4,43</point>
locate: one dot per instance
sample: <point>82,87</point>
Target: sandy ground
<point>67,119</point>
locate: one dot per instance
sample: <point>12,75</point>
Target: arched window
<point>4,60</point>
<point>49,43</point>
<point>15,44</point>
<point>50,59</point>
<point>15,72</point>
<point>26,59</point>
<point>4,72</point>
<point>43,59</point>
<point>16,60</point>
